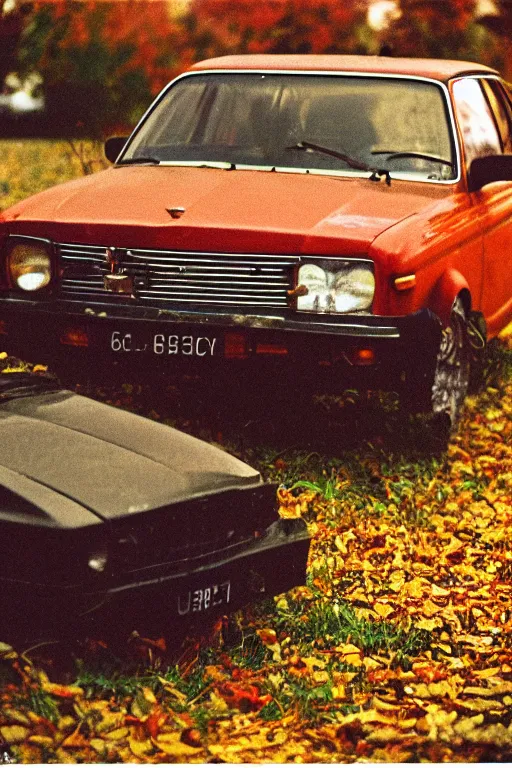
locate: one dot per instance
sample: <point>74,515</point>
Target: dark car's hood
<point>224,210</point>
<point>112,462</point>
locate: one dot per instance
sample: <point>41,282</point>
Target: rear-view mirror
<point>114,146</point>
<point>484,170</point>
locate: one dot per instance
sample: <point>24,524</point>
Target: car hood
<point>224,209</point>
<point>110,462</point>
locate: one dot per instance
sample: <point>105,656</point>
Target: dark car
<point>110,517</point>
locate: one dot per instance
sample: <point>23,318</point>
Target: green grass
<point>28,166</point>
<point>337,621</point>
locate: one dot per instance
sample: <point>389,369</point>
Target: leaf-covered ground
<point>398,649</point>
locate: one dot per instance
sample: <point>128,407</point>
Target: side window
<point>501,110</point>
<point>479,132</point>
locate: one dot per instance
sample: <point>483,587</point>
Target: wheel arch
<point>449,286</point>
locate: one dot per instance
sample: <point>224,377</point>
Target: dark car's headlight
<point>29,264</point>
<point>335,286</point>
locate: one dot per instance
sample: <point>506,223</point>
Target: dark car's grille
<point>180,277</point>
<point>196,528</point>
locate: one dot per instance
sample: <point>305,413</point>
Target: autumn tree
<point>11,26</point>
<point>100,62</point>
<point>217,27</point>
<point>445,29</point>
<point>500,24</point>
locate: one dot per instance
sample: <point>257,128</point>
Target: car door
<point>485,120</point>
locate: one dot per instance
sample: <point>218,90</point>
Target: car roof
<point>437,69</point>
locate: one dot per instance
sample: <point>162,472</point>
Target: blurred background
<point>83,68</point>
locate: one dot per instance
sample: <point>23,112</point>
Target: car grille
<point>180,277</point>
<point>195,528</point>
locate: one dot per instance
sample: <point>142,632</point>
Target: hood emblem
<point>112,258</point>
<point>176,211</point>
<point>117,281</point>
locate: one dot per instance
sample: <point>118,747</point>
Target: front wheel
<point>452,371</point>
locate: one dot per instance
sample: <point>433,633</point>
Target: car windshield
<point>271,120</point>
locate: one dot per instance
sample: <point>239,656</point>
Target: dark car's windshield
<point>262,119</point>
<point>19,384</point>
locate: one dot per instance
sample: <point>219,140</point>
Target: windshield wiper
<point>358,165</point>
<point>141,160</point>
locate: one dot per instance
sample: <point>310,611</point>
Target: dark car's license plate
<point>163,344</point>
<point>204,599</point>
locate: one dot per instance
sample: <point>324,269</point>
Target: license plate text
<point>164,344</point>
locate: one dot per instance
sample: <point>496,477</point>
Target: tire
<point>453,369</point>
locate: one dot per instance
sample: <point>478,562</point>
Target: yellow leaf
<point>171,744</point>
<point>63,691</point>
<point>117,734</point>
<point>481,705</point>
<point>15,716</point>
<point>428,624</point>
<point>443,647</point>
<point>149,695</point>
<point>386,735</point>
<point>484,673</point>
<point>98,745</point>
<point>41,741</point>
<point>396,581</point>
<point>313,662</point>
<point>439,591</point>
<point>14,734</point>
<point>350,654</point>
<point>430,608</point>
<point>467,724</point>
<point>171,688</point>
<point>383,610</point>
<point>109,722</point>
<point>141,748</point>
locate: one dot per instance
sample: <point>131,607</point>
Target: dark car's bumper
<point>331,352</point>
<point>164,597</point>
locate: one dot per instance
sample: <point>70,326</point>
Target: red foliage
<point>277,26</point>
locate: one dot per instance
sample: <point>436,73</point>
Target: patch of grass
<point>28,166</point>
<point>118,685</point>
<point>250,654</point>
<point>338,623</point>
<point>270,712</point>
<point>308,699</point>
<point>36,700</point>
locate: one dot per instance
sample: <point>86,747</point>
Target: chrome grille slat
<point>202,278</point>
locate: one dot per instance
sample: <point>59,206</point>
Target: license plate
<point>204,599</point>
<point>163,344</point>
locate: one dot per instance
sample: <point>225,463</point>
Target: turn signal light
<point>3,328</point>
<point>75,337</point>
<point>405,283</point>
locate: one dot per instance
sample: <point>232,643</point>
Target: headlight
<point>29,265</point>
<point>335,287</point>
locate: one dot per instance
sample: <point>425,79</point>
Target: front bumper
<point>163,598</point>
<point>122,340</point>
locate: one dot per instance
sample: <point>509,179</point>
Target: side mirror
<point>484,170</point>
<point>114,146</point>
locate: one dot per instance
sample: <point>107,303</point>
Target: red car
<point>339,218</point>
